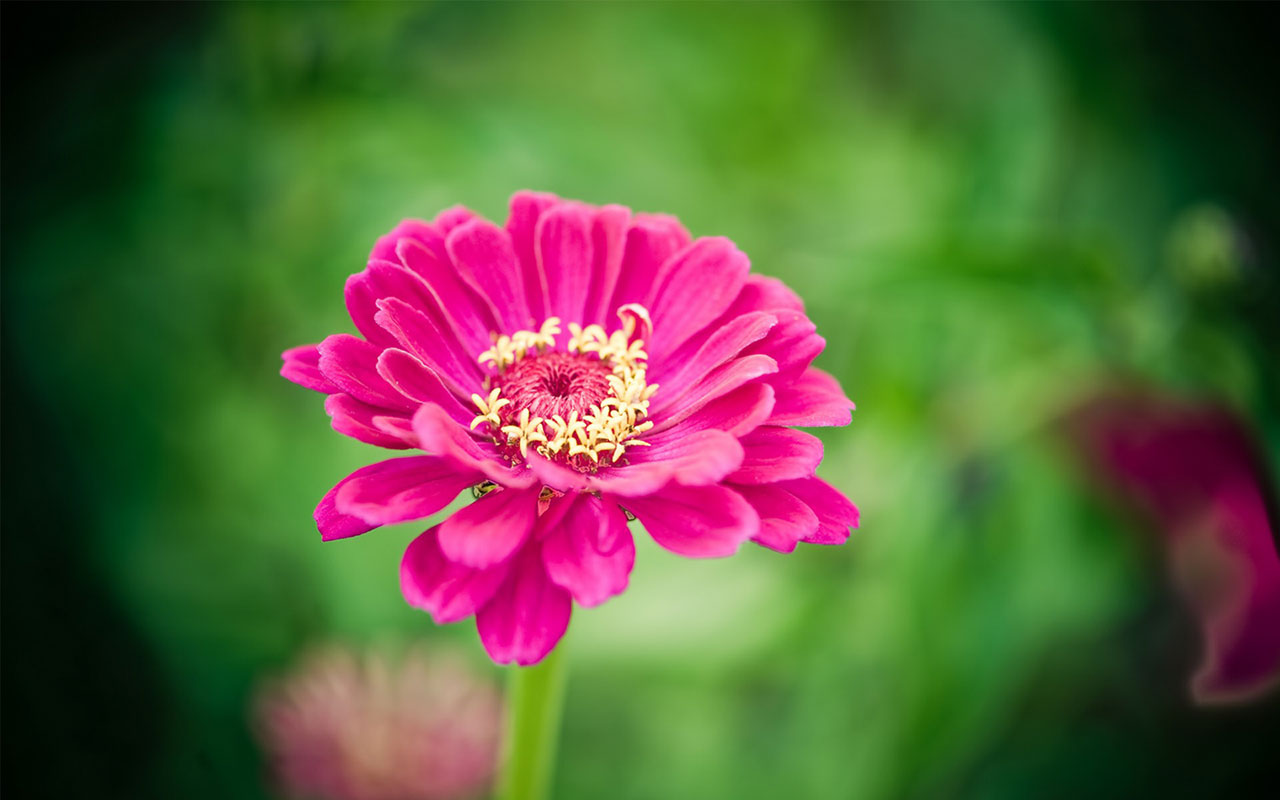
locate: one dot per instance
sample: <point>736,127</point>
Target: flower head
<point>348,726</point>
<point>1196,473</point>
<point>576,363</point>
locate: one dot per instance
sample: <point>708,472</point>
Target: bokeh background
<point>988,209</point>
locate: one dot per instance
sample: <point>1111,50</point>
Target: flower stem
<point>534,699</point>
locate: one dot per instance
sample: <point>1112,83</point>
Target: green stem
<point>534,699</point>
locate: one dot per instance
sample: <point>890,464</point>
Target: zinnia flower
<point>579,365</point>
<point>1195,472</point>
<point>346,726</point>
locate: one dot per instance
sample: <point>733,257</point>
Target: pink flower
<point>578,364</point>
<point>346,727</point>
<point>1195,472</point>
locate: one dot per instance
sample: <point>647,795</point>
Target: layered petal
<point>565,257</point>
<point>836,514</point>
<point>522,222</point>
<point>589,550</point>
<point>302,366</point>
<point>366,423</point>
<point>785,519</point>
<point>446,590</point>
<point>405,373</point>
<point>527,616</point>
<point>696,286</point>
<point>420,335</point>
<point>814,399</point>
<point>776,454</point>
<point>437,433</point>
<point>699,522</point>
<point>489,530</point>
<point>351,364</point>
<point>485,257</point>
<point>650,240</point>
<point>403,489</point>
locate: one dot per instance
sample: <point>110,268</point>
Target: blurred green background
<point>988,209</point>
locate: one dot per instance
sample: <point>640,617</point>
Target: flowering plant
<point>579,365</point>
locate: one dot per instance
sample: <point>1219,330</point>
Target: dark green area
<point>988,209</point>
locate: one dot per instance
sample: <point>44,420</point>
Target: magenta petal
<point>694,459</point>
<point>762,293</point>
<point>332,523</point>
<point>718,383</point>
<point>608,242</point>
<point>467,315</point>
<point>697,286</point>
<point>590,551</point>
<point>438,433</point>
<point>564,251</point>
<point>415,380</point>
<point>785,520</point>
<point>302,366</point>
<point>402,489</point>
<point>778,454</point>
<point>739,412</point>
<point>352,365</point>
<point>527,617</point>
<point>698,356</point>
<point>792,343</point>
<point>836,514</point>
<point>526,207</point>
<point>415,230</point>
<point>420,335</point>
<point>650,240</point>
<point>485,257</point>
<point>363,422</point>
<point>815,399</point>
<point>699,522</point>
<point>447,591</point>
<point>492,528</point>
<point>378,281</point>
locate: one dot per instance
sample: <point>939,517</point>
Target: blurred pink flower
<point>1195,472</point>
<point>344,726</point>
<point>670,392</point>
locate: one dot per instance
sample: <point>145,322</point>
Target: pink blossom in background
<point>1196,472</point>
<point>574,365</point>
<point>345,726</point>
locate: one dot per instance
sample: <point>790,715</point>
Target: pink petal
<point>739,412</point>
<point>777,454</point>
<point>608,243</point>
<point>785,520</point>
<point>719,382</point>
<point>302,366</point>
<point>415,380</point>
<point>792,343</point>
<point>836,515</point>
<point>703,457</point>
<point>414,230</point>
<point>590,551</point>
<point>336,521</point>
<point>351,364</point>
<point>698,356</point>
<point>438,433</point>
<point>453,217</point>
<point>402,489</point>
<point>380,280</point>
<point>528,615</point>
<point>466,313</point>
<point>492,528</point>
<point>360,421</point>
<point>526,208</point>
<point>651,239</point>
<point>762,293</point>
<point>699,522</point>
<point>418,334</point>
<point>486,259</point>
<point>697,286</point>
<point>812,400</point>
<point>565,257</point>
<point>447,591</point>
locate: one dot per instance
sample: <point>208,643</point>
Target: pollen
<point>585,405</point>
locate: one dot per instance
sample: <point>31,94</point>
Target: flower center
<point>574,406</point>
<point>556,383</point>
